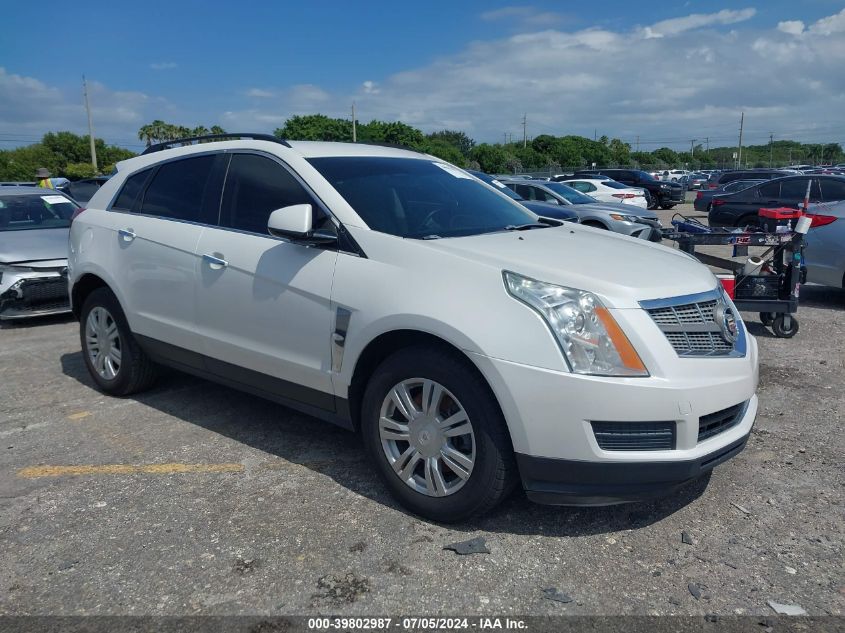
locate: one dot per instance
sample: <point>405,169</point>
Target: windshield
<point>569,194</point>
<point>32,211</point>
<point>416,198</point>
<point>613,184</point>
<point>644,175</point>
<point>491,180</point>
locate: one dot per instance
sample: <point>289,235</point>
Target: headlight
<point>624,218</point>
<point>6,268</point>
<point>665,186</point>
<point>589,337</point>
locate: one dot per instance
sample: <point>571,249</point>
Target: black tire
<point>667,205</point>
<point>494,473</point>
<point>136,371</point>
<point>766,318</point>
<point>748,220</point>
<point>653,201</point>
<point>780,330</point>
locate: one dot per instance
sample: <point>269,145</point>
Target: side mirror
<point>296,222</point>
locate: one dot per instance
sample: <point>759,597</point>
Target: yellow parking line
<point>78,416</point>
<point>33,472</point>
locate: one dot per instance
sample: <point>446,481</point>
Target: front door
<point>263,303</point>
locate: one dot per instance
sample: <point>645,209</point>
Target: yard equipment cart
<point>768,284</point>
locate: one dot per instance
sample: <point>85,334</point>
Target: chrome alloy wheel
<point>102,341</point>
<point>427,437</point>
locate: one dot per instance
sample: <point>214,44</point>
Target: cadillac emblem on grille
<point>726,320</point>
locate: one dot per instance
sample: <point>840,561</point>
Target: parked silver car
<point>34,227</point>
<point>626,219</point>
<point>824,254</point>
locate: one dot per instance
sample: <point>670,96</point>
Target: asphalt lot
<point>197,499</point>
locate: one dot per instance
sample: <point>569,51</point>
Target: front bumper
<point>571,482</point>
<point>552,414</point>
<point>35,293</point>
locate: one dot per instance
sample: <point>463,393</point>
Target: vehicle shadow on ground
<point>334,452</point>
<point>824,297</point>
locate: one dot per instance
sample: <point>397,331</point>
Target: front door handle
<point>127,234</point>
<point>214,262</point>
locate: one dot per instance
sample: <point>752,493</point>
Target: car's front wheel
<point>114,359</point>
<point>436,435</point>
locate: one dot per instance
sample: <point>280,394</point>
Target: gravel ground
<point>196,499</point>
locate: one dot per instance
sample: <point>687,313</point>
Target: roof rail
<point>158,147</point>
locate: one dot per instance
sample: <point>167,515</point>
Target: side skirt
<point>312,402</point>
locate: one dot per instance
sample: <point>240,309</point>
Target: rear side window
<point>797,189</point>
<point>131,191</point>
<point>179,189</point>
<point>255,187</point>
<point>770,190</point>
<point>833,189</point>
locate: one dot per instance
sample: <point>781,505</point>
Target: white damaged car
<point>473,346</point>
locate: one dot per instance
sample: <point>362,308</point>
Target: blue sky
<point>662,71</point>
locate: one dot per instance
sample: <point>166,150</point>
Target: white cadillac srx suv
<point>472,344</point>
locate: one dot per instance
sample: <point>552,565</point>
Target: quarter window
<point>179,189</point>
<point>131,190</point>
<point>255,187</point>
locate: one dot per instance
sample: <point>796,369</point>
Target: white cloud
<point>676,26</point>
<point>164,65</point>
<point>258,93</point>
<point>829,25</point>
<point>29,108</point>
<point>792,27</point>
<point>370,88</point>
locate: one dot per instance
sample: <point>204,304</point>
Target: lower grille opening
<point>635,436</point>
<point>720,421</point>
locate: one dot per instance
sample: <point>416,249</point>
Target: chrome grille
<point>693,325</point>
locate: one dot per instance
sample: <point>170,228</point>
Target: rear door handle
<point>214,262</point>
<point>127,234</point>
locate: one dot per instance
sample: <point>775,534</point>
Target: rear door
<point>161,215</point>
<point>264,303</point>
<point>793,191</point>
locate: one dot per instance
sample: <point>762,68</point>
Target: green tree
<point>76,171</point>
<point>393,133</point>
<point>457,139</point>
<point>315,127</point>
<point>490,158</point>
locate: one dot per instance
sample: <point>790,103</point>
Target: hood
<point>616,207</point>
<point>33,245</point>
<point>620,269</point>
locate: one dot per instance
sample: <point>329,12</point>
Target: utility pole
<point>90,124</point>
<point>504,138</point>
<point>638,143</point>
<point>524,130</point>
<point>739,149</point>
<point>707,140</point>
<point>692,148</point>
<point>771,148</point>
<point>354,125</point>
<point>595,134</point>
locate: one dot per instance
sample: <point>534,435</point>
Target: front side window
<point>23,212</point>
<point>833,189</point>
<point>255,187</point>
<point>179,188</point>
<point>418,198</point>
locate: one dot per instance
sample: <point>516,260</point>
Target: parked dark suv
<point>660,194</point>
<point>723,178</point>
<point>740,208</point>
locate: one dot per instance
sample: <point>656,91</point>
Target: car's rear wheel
<point>653,201</point>
<point>436,435</point>
<point>114,359</point>
<point>748,220</point>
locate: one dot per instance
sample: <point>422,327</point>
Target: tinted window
<point>569,194</point>
<point>131,190</point>
<point>255,187</point>
<point>178,189</point>
<point>833,189</point>
<point>418,198</point>
<point>49,211</point>
<point>770,190</point>
<point>490,180</point>
<point>794,189</point>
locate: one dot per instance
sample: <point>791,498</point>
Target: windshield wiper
<point>526,227</point>
<point>430,237</point>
